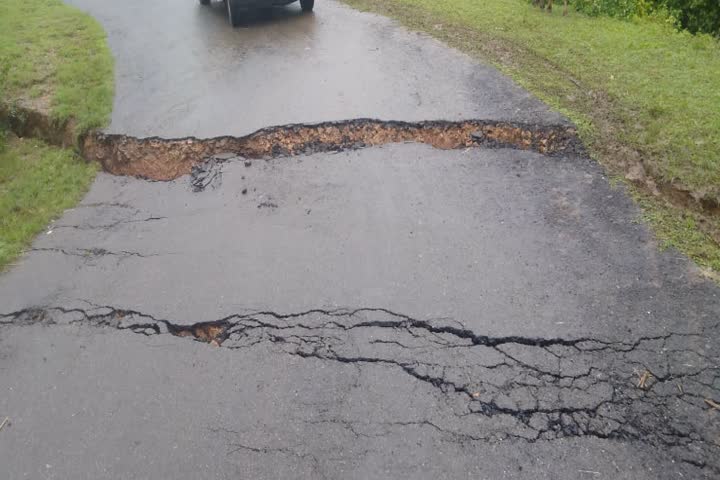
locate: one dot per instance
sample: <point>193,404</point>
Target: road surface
<point>394,312</point>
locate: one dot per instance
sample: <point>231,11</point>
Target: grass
<point>640,92</point>
<point>678,228</point>
<point>53,59</point>
<point>37,183</point>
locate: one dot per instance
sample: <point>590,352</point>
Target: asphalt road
<point>389,312</point>
<point>182,71</point>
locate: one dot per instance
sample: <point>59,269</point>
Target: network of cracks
<point>656,389</point>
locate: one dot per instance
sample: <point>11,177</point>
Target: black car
<point>236,8</point>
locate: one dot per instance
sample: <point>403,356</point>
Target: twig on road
<point>644,379</point>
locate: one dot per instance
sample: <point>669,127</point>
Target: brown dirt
<point>30,122</point>
<point>205,332</point>
<point>166,159</point>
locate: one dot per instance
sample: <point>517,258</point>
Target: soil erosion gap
<point>166,159</point>
<point>163,159</point>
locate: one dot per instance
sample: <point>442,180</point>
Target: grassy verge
<point>53,59</point>
<point>644,96</point>
<point>37,182</point>
<point>681,229</point>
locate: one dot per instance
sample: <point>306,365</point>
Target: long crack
<point>166,159</point>
<point>90,253</point>
<point>546,388</point>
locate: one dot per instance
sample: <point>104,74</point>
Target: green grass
<point>639,91</point>
<point>679,228</point>
<point>56,59</point>
<point>53,59</point>
<point>37,183</point>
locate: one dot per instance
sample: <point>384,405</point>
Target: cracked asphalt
<point>398,311</point>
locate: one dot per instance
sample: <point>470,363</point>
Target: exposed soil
<point>166,159</point>
<point>28,122</point>
<point>208,332</point>
<point>162,159</point>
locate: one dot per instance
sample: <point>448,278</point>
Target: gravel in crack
<point>167,159</point>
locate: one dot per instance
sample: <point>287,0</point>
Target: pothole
<point>208,332</point>
<point>166,159</point>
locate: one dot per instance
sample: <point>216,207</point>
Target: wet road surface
<point>389,312</point>
<point>182,71</point>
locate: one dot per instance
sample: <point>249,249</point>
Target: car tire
<point>307,5</point>
<point>234,12</point>
<point>204,2</point>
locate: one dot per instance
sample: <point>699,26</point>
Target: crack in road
<point>515,387</point>
<point>108,226</point>
<point>166,159</point>
<point>88,253</point>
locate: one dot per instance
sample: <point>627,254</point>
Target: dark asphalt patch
<point>207,174</point>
